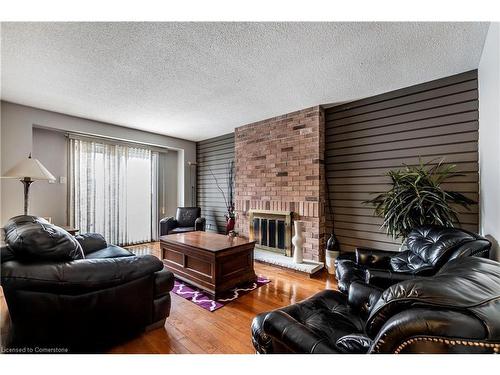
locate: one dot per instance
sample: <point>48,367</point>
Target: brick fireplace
<point>280,167</point>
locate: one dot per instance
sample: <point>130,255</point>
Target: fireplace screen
<point>271,230</point>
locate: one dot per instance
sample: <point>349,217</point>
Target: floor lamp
<point>28,171</point>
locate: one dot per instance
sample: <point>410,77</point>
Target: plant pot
<point>330,256</point>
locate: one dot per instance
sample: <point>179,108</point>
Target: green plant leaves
<point>416,198</point>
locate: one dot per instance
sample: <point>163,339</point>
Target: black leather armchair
<point>187,219</point>
<point>79,294</point>
<point>428,249</point>
<point>455,311</point>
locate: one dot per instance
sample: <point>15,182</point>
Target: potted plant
<point>229,201</point>
<point>417,198</point>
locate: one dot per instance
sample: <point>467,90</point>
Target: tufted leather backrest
<point>431,246</point>
<point>468,284</point>
<point>33,239</point>
<point>186,216</point>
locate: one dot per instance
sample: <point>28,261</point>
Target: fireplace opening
<point>272,230</point>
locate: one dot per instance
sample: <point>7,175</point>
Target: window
<point>113,190</point>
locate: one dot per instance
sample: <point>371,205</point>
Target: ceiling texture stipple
<point>200,80</point>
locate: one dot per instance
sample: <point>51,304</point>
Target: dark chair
<point>187,219</point>
<point>79,294</point>
<point>428,248</point>
<point>455,311</point>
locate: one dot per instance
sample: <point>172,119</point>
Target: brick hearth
<point>280,167</point>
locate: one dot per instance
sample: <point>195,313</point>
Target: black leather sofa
<point>455,311</point>
<point>187,219</point>
<point>79,294</point>
<point>428,249</point>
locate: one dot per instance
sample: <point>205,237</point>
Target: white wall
<point>167,198</point>
<point>17,124</point>
<point>489,136</point>
<point>50,147</point>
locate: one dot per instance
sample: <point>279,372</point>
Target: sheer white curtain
<point>113,190</point>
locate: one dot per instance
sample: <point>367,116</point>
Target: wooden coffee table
<point>212,262</point>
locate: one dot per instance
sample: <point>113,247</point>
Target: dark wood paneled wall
<point>213,154</point>
<point>368,137</point>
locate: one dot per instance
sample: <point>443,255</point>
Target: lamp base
<point>26,182</point>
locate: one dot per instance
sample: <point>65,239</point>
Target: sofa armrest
<point>430,331</point>
<point>480,248</point>
<point>91,242</point>
<point>386,278</point>
<point>279,326</point>
<point>199,224</point>
<point>425,271</point>
<point>373,258</point>
<point>363,296</point>
<point>376,275</point>
<point>78,276</point>
<point>347,272</point>
<point>6,253</point>
<point>164,282</point>
<point>167,224</point>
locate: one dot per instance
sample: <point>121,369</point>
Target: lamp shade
<point>29,168</point>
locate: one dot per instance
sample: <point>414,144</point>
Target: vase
<point>229,224</point>
<point>331,253</point>
<point>330,257</point>
<point>298,241</point>
<point>332,244</point>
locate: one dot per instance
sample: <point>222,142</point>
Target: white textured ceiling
<point>199,80</point>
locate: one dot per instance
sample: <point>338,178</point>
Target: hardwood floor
<point>4,319</point>
<point>191,329</point>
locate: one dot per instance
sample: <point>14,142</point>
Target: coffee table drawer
<point>189,266</point>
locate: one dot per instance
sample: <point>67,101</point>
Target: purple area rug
<point>197,296</point>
